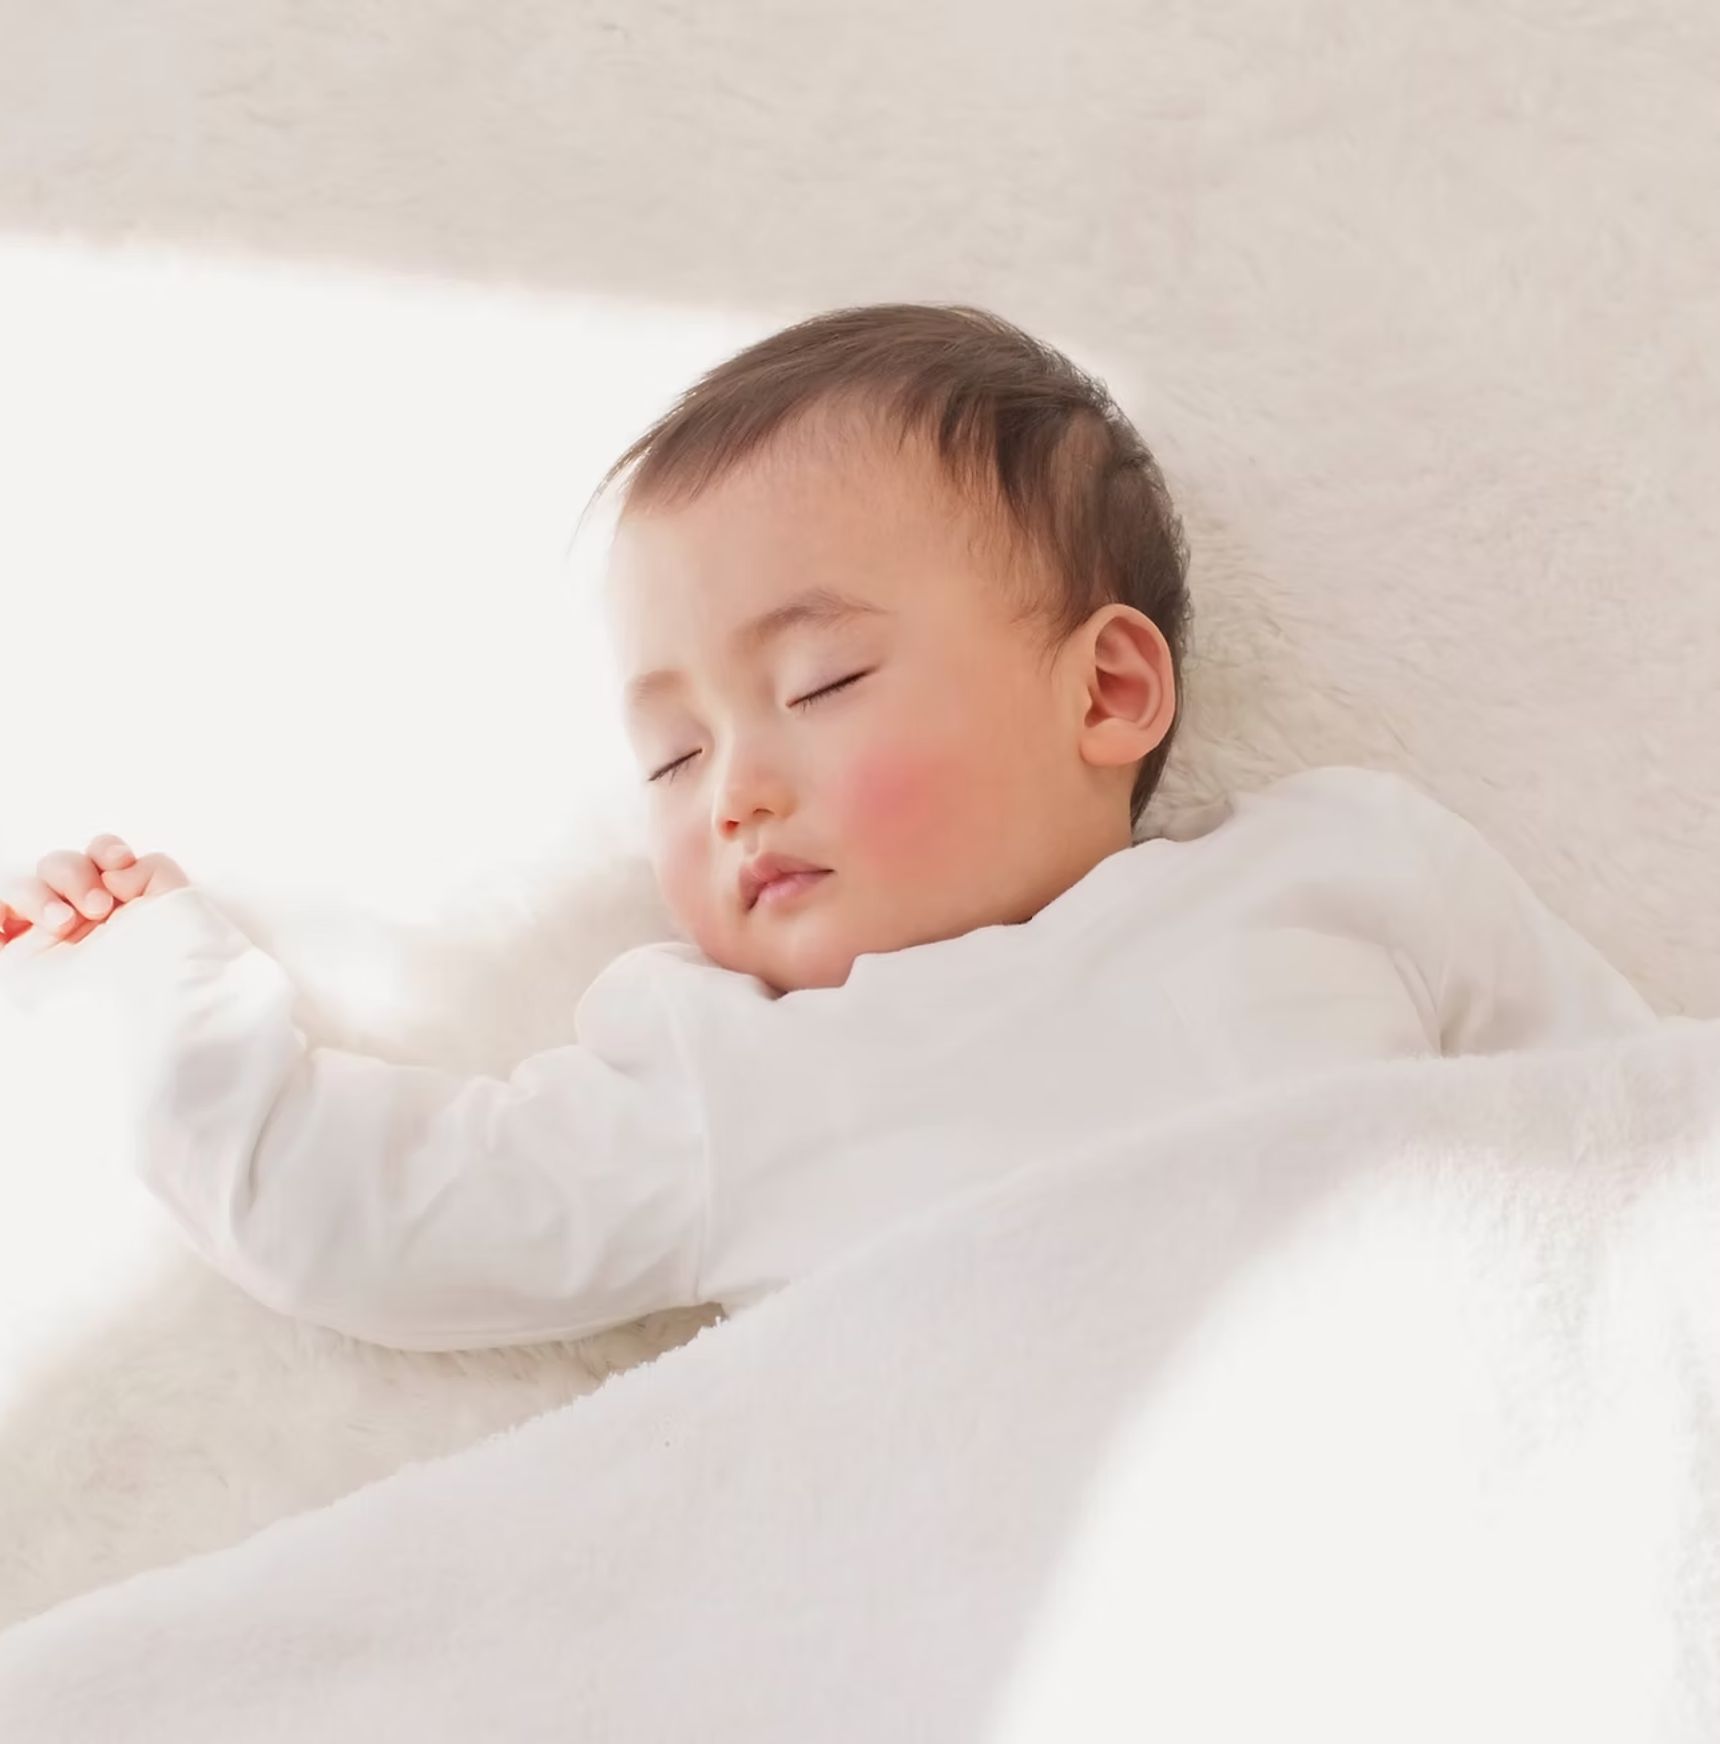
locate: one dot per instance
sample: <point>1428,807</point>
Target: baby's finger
<point>32,898</point>
<point>129,882</point>
<point>75,878</point>
<point>110,853</point>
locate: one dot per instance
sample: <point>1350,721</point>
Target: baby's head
<point>899,593</point>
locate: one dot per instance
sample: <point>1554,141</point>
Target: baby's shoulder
<point>638,1000</point>
<point>1349,790</point>
<point>1376,811</point>
<point>675,967</point>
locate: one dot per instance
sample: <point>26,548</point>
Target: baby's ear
<point>1131,687</point>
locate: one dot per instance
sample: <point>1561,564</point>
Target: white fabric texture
<point>708,1140</point>
<point>1378,1404</point>
<point>323,321</point>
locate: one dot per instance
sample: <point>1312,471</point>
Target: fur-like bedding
<point>323,323</point>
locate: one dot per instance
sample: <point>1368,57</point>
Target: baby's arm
<point>405,1205</point>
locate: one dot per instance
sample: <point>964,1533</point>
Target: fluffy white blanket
<point>1381,1406</point>
<point>321,321</point>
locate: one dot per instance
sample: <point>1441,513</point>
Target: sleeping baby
<point>898,600</point>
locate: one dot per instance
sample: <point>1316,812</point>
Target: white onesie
<point>706,1140</point>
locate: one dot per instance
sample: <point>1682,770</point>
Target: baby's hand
<point>72,893</point>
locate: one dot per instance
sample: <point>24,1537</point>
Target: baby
<point>898,597</point>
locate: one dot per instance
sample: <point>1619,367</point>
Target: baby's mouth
<point>788,888</point>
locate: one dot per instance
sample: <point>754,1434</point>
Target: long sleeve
<point>406,1205</point>
<point>1507,972</point>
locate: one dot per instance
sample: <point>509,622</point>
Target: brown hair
<point>1012,418</point>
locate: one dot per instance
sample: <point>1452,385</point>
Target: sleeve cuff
<point>181,927</point>
<point>154,945</point>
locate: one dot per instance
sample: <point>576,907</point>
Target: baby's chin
<point>791,966</point>
<point>791,953</point>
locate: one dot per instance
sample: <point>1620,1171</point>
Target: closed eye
<point>672,769</point>
<point>828,690</point>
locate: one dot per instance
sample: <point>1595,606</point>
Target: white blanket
<point>1385,1405</point>
<point>323,320</point>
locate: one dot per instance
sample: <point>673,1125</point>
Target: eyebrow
<point>817,605</point>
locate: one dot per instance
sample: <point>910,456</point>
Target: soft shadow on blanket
<point>1384,1392</point>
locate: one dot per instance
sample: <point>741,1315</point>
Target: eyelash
<point>671,770</point>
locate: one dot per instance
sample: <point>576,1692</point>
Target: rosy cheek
<point>897,800</point>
